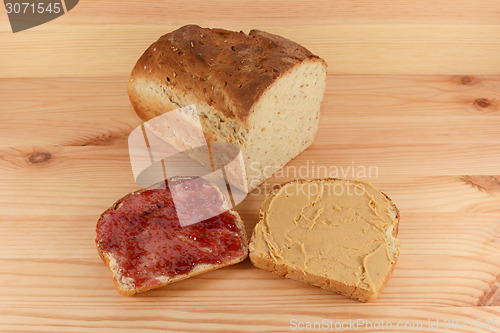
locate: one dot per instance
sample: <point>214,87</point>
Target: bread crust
<point>226,69</point>
<point>198,269</point>
<point>352,291</point>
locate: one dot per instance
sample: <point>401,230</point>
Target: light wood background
<point>413,91</point>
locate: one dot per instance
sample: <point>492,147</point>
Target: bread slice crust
<point>266,262</point>
<point>129,290</point>
<point>229,70</point>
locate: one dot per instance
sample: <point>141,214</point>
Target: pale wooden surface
<point>433,139</point>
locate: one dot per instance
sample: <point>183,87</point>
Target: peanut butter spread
<point>336,229</point>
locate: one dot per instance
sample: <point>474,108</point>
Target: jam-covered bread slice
<point>145,246</point>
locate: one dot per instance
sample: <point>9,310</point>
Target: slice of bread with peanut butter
<point>336,234</point>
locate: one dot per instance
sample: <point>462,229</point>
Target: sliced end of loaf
<point>285,120</point>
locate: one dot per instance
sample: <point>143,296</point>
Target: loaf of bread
<point>335,234</point>
<point>259,91</point>
<point>144,245</point>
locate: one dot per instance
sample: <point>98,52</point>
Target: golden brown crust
<point>199,269</point>
<point>230,70</point>
<point>352,291</point>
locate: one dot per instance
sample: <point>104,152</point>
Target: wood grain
<point>154,318</point>
<point>84,174</point>
<point>286,13</point>
<point>461,281</point>
<point>289,13</point>
<point>358,110</point>
<point>439,234</point>
<point>81,51</point>
<point>423,126</point>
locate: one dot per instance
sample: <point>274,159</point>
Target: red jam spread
<point>145,237</point>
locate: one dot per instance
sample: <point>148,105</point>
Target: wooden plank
<point>84,51</point>
<point>454,234</point>
<point>221,13</point>
<point>418,280</point>
<point>474,96</point>
<point>93,177</point>
<point>4,22</point>
<point>254,319</point>
<point>288,13</point>
<point>417,130</point>
<point>56,172</point>
<point>90,178</point>
<point>72,236</point>
<point>381,160</point>
<point>357,110</point>
<point>65,111</point>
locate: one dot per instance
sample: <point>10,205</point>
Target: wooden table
<point>413,91</point>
